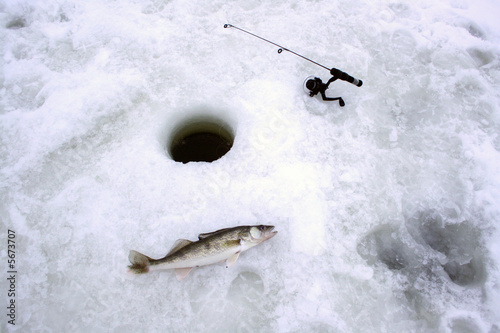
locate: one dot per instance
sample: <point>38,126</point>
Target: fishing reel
<point>307,85</point>
<point>313,85</point>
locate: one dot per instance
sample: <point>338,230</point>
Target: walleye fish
<point>210,248</point>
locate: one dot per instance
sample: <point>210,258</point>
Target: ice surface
<point>387,209</point>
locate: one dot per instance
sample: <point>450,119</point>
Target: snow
<point>387,210</point>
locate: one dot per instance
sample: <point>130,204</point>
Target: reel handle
<point>345,77</point>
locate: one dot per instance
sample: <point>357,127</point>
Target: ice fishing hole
<point>201,140</point>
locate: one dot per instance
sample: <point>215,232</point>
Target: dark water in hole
<point>200,147</point>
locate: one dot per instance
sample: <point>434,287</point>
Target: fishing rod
<point>281,48</point>
<point>337,73</point>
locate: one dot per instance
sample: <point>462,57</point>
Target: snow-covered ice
<point>387,210</point>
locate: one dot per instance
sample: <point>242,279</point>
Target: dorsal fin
<point>179,244</point>
<point>208,234</point>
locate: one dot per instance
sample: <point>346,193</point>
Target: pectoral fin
<point>232,259</point>
<point>181,273</point>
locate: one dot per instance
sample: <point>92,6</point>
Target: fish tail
<point>140,262</point>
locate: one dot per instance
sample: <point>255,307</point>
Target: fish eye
<point>261,227</point>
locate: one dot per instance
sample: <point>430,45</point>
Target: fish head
<point>259,233</point>
<point>254,235</point>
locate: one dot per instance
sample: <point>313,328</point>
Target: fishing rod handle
<point>345,77</point>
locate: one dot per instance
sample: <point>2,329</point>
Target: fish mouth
<point>269,233</point>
